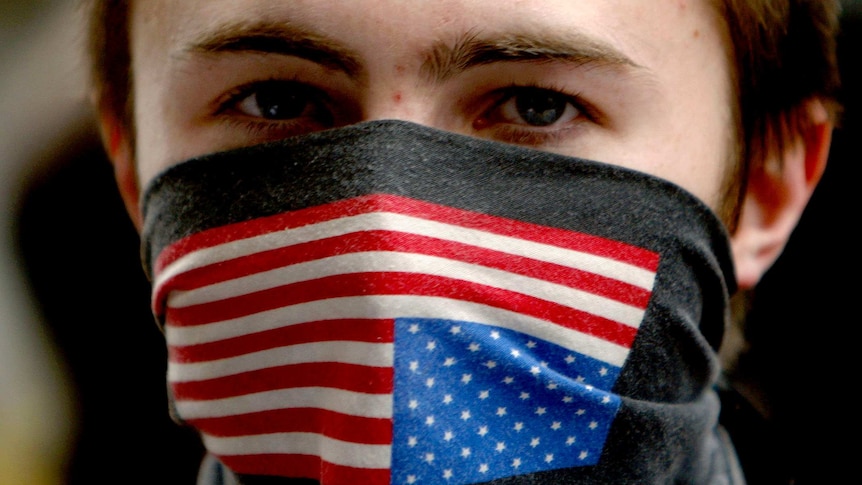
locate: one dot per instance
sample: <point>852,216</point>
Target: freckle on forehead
<point>396,97</point>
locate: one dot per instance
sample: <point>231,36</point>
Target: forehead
<point>655,72</point>
<point>648,32</point>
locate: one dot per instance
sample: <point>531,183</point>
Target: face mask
<point>388,303</point>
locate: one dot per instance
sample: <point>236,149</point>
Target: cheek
<point>165,132</point>
<point>151,147</point>
<point>704,143</point>
<point>689,137</point>
<point>159,143</point>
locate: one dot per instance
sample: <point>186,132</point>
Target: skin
<point>644,84</point>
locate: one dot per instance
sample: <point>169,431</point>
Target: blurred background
<point>82,364</point>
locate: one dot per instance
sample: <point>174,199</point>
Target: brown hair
<point>783,53</point>
<point>110,57</point>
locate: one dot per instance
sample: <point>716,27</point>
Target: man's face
<point>643,84</point>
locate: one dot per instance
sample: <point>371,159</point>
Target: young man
<point>460,242</point>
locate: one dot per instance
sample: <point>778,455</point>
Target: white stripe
<point>359,353</point>
<point>396,222</point>
<point>336,400</point>
<point>419,264</point>
<point>395,306</point>
<point>330,450</point>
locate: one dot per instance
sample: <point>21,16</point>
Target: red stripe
<point>349,377</point>
<point>356,330</point>
<point>402,205</point>
<point>410,243</point>
<point>553,236</point>
<point>305,466</point>
<point>392,283</point>
<point>343,427</point>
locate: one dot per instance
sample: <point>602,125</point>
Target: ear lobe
<point>117,141</point>
<point>776,196</point>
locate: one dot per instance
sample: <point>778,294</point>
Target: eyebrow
<point>278,38</point>
<point>446,60</point>
<point>441,62</point>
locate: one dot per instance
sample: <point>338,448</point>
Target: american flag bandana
<point>390,304</point>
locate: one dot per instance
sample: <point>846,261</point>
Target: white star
<point>411,479</point>
<point>524,396</point>
<point>412,441</point>
<point>606,399</point>
<point>583,455</point>
<point>552,385</point>
<point>429,420</point>
<point>429,382</point>
<point>474,347</point>
<point>448,436</point>
<point>543,364</point>
<point>541,411</point>
<point>535,370</point>
<point>455,330</point>
<point>484,394</point>
<point>580,379</point>
<point>495,334</point>
<point>490,364</point>
<point>465,415</point>
<point>549,458</point>
<point>414,365</point>
<point>534,442</point>
<point>414,328</point>
<point>466,378</point>
<point>483,468</point>
<point>594,425</point>
<point>518,426</point>
<point>508,380</point>
<point>570,440</point>
<point>429,457</point>
<point>483,430</point>
<point>516,463</point>
<point>465,452</point>
<point>449,362</point>
<point>501,411</point>
<point>531,344</point>
<point>557,425</point>
<point>447,474</point>
<point>568,399</point>
<point>570,359</point>
<point>516,353</point>
<point>500,447</point>
<point>580,412</point>
<point>413,404</point>
<point>603,371</point>
<point>431,345</point>
<point>589,387</point>
<point>447,399</point>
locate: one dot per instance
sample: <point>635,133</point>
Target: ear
<point>118,142</point>
<point>776,196</point>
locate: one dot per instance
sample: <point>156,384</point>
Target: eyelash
<point>509,133</point>
<point>537,136</point>
<point>226,108</point>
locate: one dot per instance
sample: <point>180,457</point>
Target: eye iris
<point>279,104</point>
<point>540,108</point>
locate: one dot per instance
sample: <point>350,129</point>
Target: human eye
<point>532,115</point>
<point>275,109</point>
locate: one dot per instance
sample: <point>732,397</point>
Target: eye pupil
<point>540,107</point>
<point>280,104</point>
